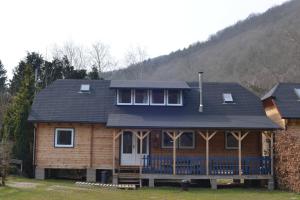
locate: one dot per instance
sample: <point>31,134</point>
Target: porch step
<point>129,175</point>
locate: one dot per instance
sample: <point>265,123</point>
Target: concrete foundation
<point>151,182</point>
<point>115,179</point>
<point>271,184</point>
<point>39,173</point>
<point>91,175</point>
<point>213,184</point>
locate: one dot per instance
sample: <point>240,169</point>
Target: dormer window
<point>141,97</point>
<point>85,88</point>
<point>157,97</point>
<point>174,97</point>
<point>124,97</point>
<point>297,91</point>
<point>227,98</point>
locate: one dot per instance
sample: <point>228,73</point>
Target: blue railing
<point>218,165</point>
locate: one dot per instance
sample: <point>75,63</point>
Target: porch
<point>171,163</point>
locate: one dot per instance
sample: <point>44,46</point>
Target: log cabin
<point>282,105</point>
<point>148,131</point>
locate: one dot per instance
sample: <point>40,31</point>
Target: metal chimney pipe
<point>200,92</point>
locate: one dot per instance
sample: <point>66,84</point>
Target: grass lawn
<point>30,189</point>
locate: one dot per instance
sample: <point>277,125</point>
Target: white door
<point>130,149</point>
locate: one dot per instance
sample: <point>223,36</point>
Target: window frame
<point>141,104</point>
<point>228,102</point>
<point>118,97</point>
<point>56,145</point>
<point>297,93</point>
<point>180,98</point>
<point>194,140</point>
<point>157,104</point>
<point>226,143</point>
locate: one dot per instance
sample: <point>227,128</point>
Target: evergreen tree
<point>2,78</point>
<point>94,74</point>
<point>15,125</point>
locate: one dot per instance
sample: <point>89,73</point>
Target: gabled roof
<point>286,99</point>
<point>62,102</point>
<point>149,84</point>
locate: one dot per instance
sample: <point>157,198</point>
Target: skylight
<point>85,88</point>
<point>297,91</point>
<point>227,98</point>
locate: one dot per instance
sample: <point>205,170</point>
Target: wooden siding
<point>92,147</point>
<point>251,146</point>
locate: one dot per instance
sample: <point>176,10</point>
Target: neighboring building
<point>282,105</point>
<point>157,129</point>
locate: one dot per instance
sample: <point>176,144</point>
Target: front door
<point>130,148</point>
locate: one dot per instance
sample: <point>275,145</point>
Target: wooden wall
<point>251,146</point>
<point>92,147</point>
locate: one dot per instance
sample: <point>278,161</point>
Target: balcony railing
<point>221,165</point>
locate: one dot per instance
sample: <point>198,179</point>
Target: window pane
<point>187,139</point>
<point>141,96</point>
<point>64,137</point>
<point>174,97</point>
<point>167,140</point>
<point>231,141</point>
<point>125,96</point>
<point>127,142</point>
<point>158,96</point>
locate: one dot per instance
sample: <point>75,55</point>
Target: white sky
<point>160,26</point>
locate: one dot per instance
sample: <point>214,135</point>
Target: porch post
<point>240,138</point>
<point>272,153</point>
<point>114,152</point>
<point>174,153</point>
<point>207,138</point>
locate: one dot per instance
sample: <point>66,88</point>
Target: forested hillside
<point>257,52</point>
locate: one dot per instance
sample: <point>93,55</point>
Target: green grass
<point>58,189</point>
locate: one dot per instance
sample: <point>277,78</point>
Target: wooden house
<point>161,130</point>
<point>282,105</point>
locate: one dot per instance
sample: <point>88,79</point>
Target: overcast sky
<point>160,26</point>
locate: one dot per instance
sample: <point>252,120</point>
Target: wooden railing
<point>221,165</point>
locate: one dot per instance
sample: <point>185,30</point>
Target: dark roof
<point>149,84</point>
<point>62,102</point>
<point>286,99</point>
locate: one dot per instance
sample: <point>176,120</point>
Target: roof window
<point>227,98</point>
<point>85,88</point>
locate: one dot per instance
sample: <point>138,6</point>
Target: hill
<point>257,52</point>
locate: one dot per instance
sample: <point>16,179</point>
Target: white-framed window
<point>141,97</point>
<point>187,140</point>
<point>174,97</point>
<point>124,96</point>
<point>227,98</point>
<point>64,137</point>
<point>297,91</point>
<point>158,97</point>
<point>230,141</point>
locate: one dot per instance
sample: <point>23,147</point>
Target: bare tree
<point>135,56</point>
<point>101,57</point>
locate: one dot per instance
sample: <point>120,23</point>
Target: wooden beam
<point>91,146</point>
<point>174,153</point>
<point>240,152</point>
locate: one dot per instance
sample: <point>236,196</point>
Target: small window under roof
<point>85,88</point>
<point>297,91</point>
<point>227,98</point>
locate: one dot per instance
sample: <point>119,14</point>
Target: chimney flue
<point>200,92</point>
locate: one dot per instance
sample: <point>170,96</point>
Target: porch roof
<point>190,121</point>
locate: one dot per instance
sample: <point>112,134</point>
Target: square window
<point>158,97</point>
<point>174,97</point>
<point>64,137</point>
<point>227,98</point>
<point>141,97</point>
<point>231,141</point>
<point>124,97</point>
<point>187,140</point>
<point>297,91</point>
